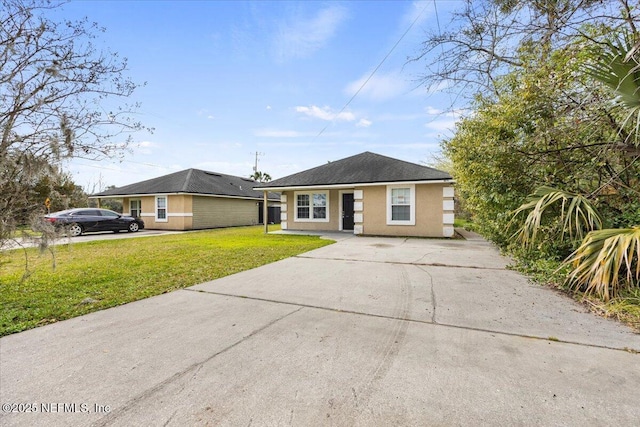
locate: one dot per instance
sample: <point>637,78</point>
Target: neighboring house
<point>193,199</point>
<point>369,194</point>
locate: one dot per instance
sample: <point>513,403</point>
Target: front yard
<point>96,275</point>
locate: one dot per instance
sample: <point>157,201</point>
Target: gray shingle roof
<point>364,168</point>
<point>192,181</point>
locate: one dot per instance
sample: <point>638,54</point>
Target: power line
<point>374,71</point>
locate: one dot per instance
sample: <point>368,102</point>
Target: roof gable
<point>191,181</point>
<point>364,168</point>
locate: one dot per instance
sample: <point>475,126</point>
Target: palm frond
<point>619,68</point>
<point>577,215</point>
<point>606,262</point>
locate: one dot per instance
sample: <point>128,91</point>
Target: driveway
<point>368,331</point>
<point>89,237</point>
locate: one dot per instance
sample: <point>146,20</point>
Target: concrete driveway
<point>20,243</point>
<point>368,331</point>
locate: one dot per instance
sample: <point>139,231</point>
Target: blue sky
<point>228,79</point>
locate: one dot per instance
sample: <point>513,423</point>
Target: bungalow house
<point>193,199</point>
<point>369,194</point>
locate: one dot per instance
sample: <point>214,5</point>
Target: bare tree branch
<point>54,85</point>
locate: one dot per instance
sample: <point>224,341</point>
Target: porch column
<point>265,211</point>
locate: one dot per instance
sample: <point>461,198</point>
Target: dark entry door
<point>347,211</point>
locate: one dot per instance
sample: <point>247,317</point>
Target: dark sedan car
<point>83,220</point>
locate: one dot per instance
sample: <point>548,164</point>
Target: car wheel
<point>75,230</point>
<point>133,227</point>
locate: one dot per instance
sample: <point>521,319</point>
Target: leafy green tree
<point>59,190</point>
<point>491,176</point>
<point>543,121</point>
<point>113,204</point>
<point>543,131</point>
<point>608,260</point>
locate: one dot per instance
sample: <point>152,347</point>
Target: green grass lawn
<point>96,275</point>
<point>463,223</point>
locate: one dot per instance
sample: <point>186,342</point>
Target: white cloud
<point>301,37</point>
<point>444,125</point>
<point>231,168</point>
<point>419,11</point>
<point>145,147</point>
<point>389,117</point>
<point>452,113</point>
<point>280,133</point>
<point>380,87</point>
<point>433,111</point>
<point>286,144</point>
<point>408,145</point>
<point>325,113</point>
<point>222,145</point>
<point>268,107</point>
<point>203,112</point>
<point>364,123</point>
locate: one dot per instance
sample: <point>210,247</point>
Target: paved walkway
<point>368,331</point>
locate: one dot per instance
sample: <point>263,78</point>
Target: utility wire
<point>373,72</point>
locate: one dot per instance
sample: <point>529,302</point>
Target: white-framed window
<point>302,206</point>
<point>161,209</point>
<point>312,206</point>
<point>135,208</point>
<point>401,204</point>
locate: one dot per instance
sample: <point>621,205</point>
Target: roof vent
<point>213,174</point>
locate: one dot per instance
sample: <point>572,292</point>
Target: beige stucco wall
<point>429,210</point>
<point>179,209</point>
<point>187,212</point>
<point>179,213</point>
<point>212,212</point>
<point>334,213</point>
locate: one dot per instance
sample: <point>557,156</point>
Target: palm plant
<point>260,176</point>
<point>577,215</point>
<point>606,262</point>
<point>618,67</point>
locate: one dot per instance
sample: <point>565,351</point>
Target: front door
<point>347,211</point>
